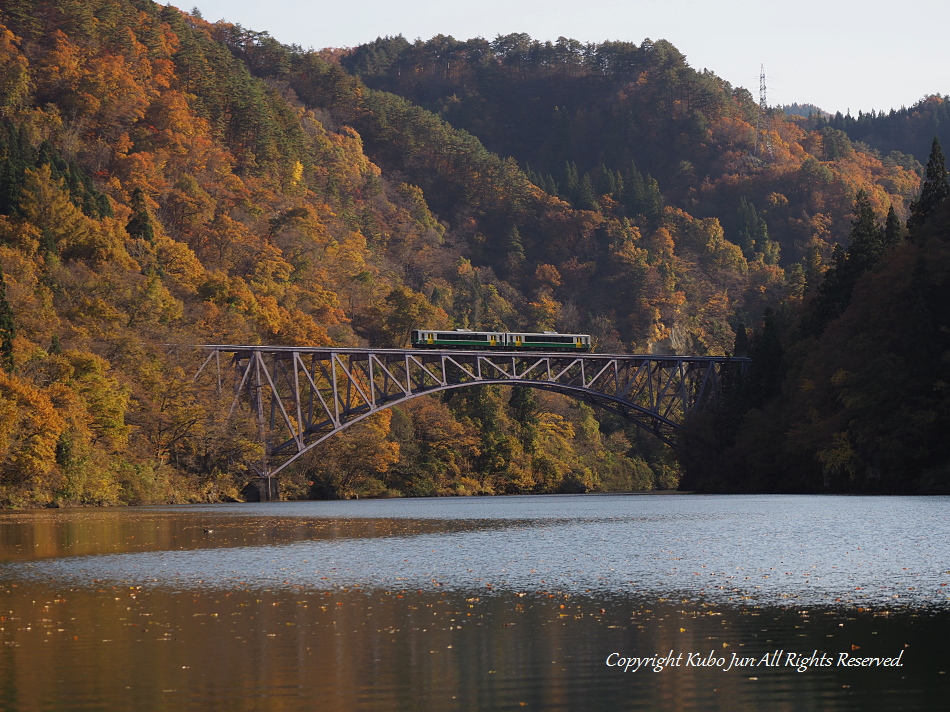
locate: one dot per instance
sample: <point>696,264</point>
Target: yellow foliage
<point>179,263</point>
<point>544,312</point>
<point>839,456</point>
<point>14,73</point>
<point>30,427</point>
<point>296,173</point>
<point>556,426</point>
<point>46,204</point>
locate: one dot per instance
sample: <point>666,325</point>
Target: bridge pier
<point>262,489</point>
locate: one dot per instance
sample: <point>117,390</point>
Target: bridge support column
<point>262,489</point>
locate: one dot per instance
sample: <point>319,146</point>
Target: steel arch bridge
<point>301,396</point>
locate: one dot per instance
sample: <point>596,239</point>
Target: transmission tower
<point>763,122</point>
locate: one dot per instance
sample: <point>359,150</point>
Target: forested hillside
<point>905,130</point>
<point>597,124</point>
<point>849,393</point>
<point>154,192</point>
<point>166,181</point>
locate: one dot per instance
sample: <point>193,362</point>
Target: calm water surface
<point>479,604</point>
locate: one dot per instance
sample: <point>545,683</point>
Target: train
<point>498,340</point>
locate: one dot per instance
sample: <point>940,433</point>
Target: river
<point>573,602</point>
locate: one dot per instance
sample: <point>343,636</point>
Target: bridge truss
<point>301,396</point>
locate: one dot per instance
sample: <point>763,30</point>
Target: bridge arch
<point>564,390</point>
<point>302,396</point>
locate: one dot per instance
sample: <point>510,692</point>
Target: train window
<point>538,339</point>
<point>462,337</point>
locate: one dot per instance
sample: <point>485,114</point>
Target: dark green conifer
<point>934,190</point>
<point>632,197</point>
<point>893,229</point>
<point>11,169</point>
<point>140,224</point>
<point>22,17</point>
<point>513,241</point>
<point>748,223</point>
<point>740,348</point>
<point>753,233</point>
<point>9,188</point>
<point>618,185</point>
<point>867,239</point>
<point>571,182</point>
<point>834,292</point>
<point>7,327</point>
<point>104,206</point>
<point>866,249</point>
<point>586,200</point>
<point>513,250</point>
<point>652,200</point>
<point>767,370</point>
<point>606,182</point>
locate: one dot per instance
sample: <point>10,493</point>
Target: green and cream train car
<point>500,340</point>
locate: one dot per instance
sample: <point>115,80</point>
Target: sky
<point>839,55</point>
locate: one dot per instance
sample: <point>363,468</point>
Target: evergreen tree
<point>740,347</point>
<point>10,185</point>
<point>606,182</point>
<point>766,371</point>
<point>618,184</point>
<point>571,182</point>
<point>893,229</point>
<point>866,249</point>
<point>833,294</point>
<point>586,200</point>
<point>17,155</point>
<point>934,190</point>
<point>867,239</point>
<point>632,197</point>
<point>535,178</point>
<point>753,233</point>
<point>652,200</point>
<point>513,241</point>
<point>7,327</point>
<point>140,224</point>
<point>104,206</point>
<point>812,268</point>
<point>748,222</point>
<point>514,250</point>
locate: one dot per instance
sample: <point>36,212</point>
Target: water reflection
<point>511,603</point>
